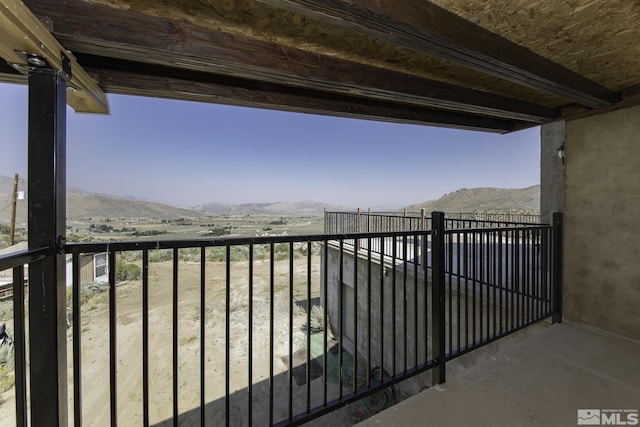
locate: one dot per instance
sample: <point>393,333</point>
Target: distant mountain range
<point>303,207</point>
<point>82,204</point>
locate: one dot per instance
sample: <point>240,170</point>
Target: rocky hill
<point>486,200</point>
<point>81,205</point>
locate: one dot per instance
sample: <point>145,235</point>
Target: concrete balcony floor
<point>538,379</point>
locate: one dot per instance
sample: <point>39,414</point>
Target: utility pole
<point>14,202</point>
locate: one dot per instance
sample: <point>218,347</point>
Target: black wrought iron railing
<point>280,330</point>
<point>360,221</point>
<point>16,263</point>
<point>371,222</point>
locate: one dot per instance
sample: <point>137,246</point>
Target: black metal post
<point>46,225</point>
<point>558,220</point>
<point>19,347</point>
<point>438,296</point>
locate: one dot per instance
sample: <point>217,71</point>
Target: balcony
<point>507,74</point>
<point>287,329</point>
<point>541,376</point>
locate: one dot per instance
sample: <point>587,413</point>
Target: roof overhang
<point>408,61</point>
<point>26,43</point>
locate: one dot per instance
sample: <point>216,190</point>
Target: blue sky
<point>187,153</point>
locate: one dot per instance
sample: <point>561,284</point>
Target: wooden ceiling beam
<point>124,77</point>
<point>100,30</point>
<point>427,28</point>
<point>21,31</point>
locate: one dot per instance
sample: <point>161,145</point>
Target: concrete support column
<point>552,176</point>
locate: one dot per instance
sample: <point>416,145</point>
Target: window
<point>100,265</point>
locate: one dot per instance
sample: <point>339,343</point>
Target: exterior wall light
<point>561,153</point>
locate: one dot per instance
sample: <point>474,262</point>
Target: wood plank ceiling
<point>473,64</point>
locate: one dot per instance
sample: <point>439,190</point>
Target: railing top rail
<point>492,221</point>
<point>478,217</point>
<point>374,213</point>
<point>228,241</point>
<point>497,229</point>
<point>20,258</point>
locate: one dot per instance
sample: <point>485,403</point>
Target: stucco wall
<point>552,170</point>
<point>602,222</point>
<point>380,315</point>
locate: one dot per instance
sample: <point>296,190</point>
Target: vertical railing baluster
<point>368,312</point>
<point>474,281</point>
<point>449,272</point>
<point>438,302</point>
<point>540,273</point>
<point>290,364</point>
<point>145,337</point>
<point>458,282</point>
<point>113,361</point>
<point>546,268</point>
<point>250,343</point>
<point>271,328</point>
<point>521,278</point>
<point>534,273</point>
<point>428,328</point>
<point>527,273</point>
<point>381,308</point>
<point>176,414</point>
<point>466,288</point>
<point>404,299</point>
<point>488,281</point>
<point>20,355</point>
<point>340,318</point>
<point>354,376</point>
<point>308,367</point>
<point>227,335</point>
<point>325,324</point>
<point>393,307</point>
<point>494,280</point>
<point>524,277</point>
<point>481,281</point>
<point>203,318</point>
<point>77,339</point>
<point>513,277</point>
<point>415,299</point>
<point>501,284</point>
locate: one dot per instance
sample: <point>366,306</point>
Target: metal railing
<point>371,222</point>
<point>226,329</point>
<point>496,217</point>
<point>376,222</point>
<point>16,263</point>
<point>263,286</point>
